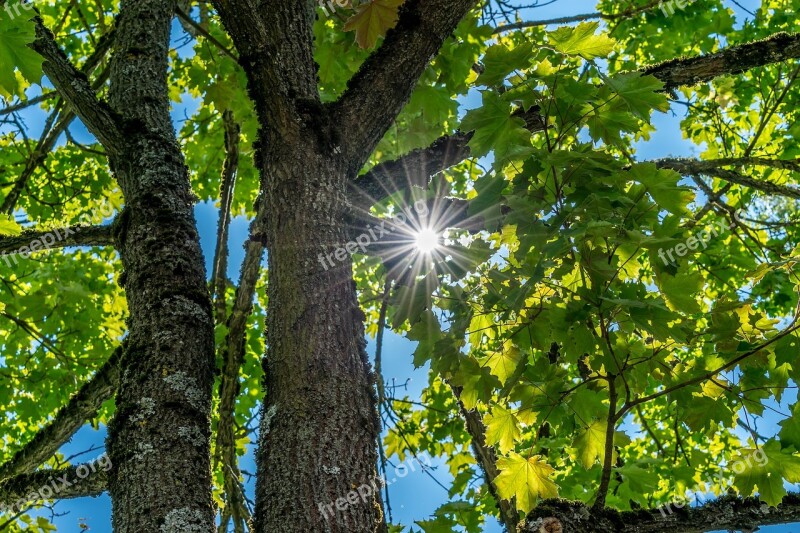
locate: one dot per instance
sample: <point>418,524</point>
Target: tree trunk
<point>320,424</point>
<point>159,438</point>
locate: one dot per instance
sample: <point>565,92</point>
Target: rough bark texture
<point>76,481</point>
<point>58,238</point>
<point>319,424</point>
<point>159,439</point>
<point>319,427</point>
<point>732,60</point>
<point>694,167</point>
<point>727,513</point>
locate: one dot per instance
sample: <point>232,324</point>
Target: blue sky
<point>415,496</point>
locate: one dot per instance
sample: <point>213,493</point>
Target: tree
<point>597,326</point>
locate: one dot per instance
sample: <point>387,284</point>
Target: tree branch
<point>75,88</point>
<point>794,326</point>
<point>547,22</point>
<point>578,18</point>
<point>56,238</point>
<point>233,352</point>
<point>695,167</point>
<point>411,169</point>
<point>28,103</point>
<point>728,513</point>
<point>732,60</point>
<point>78,481</point>
<point>47,142</point>
<point>233,346</point>
<point>227,183</point>
<point>82,406</point>
<point>51,133</point>
<point>487,460</point>
<point>608,455</point>
<point>185,18</point>
<point>382,86</point>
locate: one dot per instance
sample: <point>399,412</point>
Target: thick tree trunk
<point>159,439</point>
<point>320,424</point>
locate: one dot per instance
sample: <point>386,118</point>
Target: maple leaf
<point>373,20</point>
<point>502,428</point>
<point>590,445</point>
<point>527,479</point>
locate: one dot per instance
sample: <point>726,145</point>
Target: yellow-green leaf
<point>502,428</point>
<point>503,363</point>
<point>526,479</point>
<point>581,40</point>
<point>590,445</point>
<point>8,226</point>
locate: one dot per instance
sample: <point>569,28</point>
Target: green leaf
<point>766,470</point>
<point>487,204</point>
<point>590,445</point>
<point>640,93</point>
<point>663,186</point>
<point>502,428</point>
<point>8,226</point>
<point>608,122</point>
<point>503,363</point>
<point>581,40</point>
<point>499,62</point>
<point>680,291</point>
<point>526,479</point>
<point>15,36</point>
<point>496,130</point>
<point>790,429</point>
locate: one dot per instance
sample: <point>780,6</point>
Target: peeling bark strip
<point>733,60</point>
<point>159,438</point>
<point>725,513</point>
<point>81,407</point>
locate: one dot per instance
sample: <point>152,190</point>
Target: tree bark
<point>319,426</point>
<point>159,438</point>
<point>726,513</point>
